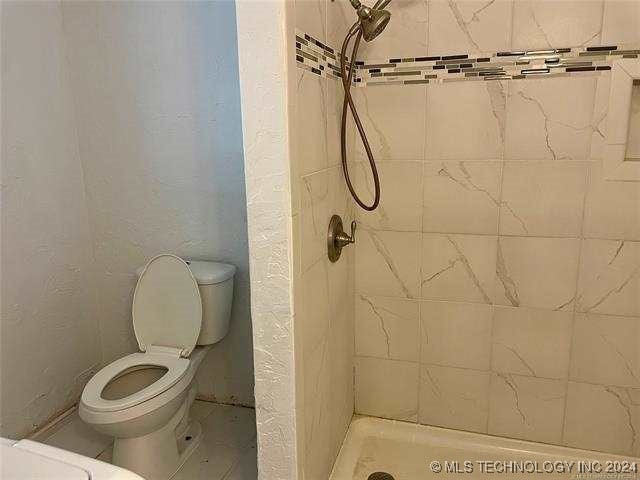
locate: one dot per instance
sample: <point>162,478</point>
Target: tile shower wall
<point>323,291</point>
<point>497,285</point>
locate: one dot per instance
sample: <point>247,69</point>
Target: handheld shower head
<point>372,20</point>
<point>374,24</point>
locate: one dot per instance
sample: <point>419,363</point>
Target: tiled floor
<point>227,450</point>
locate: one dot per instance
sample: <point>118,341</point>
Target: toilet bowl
<point>180,309</point>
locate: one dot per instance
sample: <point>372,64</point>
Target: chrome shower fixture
<point>372,19</point>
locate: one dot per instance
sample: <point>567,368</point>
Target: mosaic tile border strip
<point>321,59</point>
<point>318,58</point>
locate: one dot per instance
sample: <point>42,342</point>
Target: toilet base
<point>188,442</point>
<point>160,454</point>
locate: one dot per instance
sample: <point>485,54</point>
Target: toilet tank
<point>215,282</point>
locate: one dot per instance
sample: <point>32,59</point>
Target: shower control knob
<point>337,239</point>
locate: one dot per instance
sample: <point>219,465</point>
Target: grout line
<point>512,23</point>
<point>110,446</point>
<point>491,371</point>
<point>248,446</point>
<point>587,182</point>
<point>495,281</point>
<point>223,404</point>
<point>423,186</point>
<point>471,234</point>
<point>53,425</point>
<point>494,305</point>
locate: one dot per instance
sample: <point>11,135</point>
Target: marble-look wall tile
<point>461,197</point>
<point>311,134</point>
<point>466,120</point>
<point>603,418</point>
<point>526,407</point>
<point>340,17</point>
<point>386,263</point>
<point>319,199</point>
<point>454,398</point>
<point>311,17</point>
<point>469,26</point>
<point>322,195</point>
<point>537,272</point>
<point>609,277</point>
<point>400,200</point>
<point>387,388</point>
<point>549,119</point>
<point>606,350</point>
<point>315,315</point>
<point>555,24</point>
<point>341,286</point>
<point>393,117</point>
<point>387,328</point>
<point>542,198</point>
<point>458,268</point>
<point>334,97</point>
<point>599,116</point>
<point>456,334</point>
<point>324,341</point>
<point>404,36</point>
<point>612,209</point>
<point>317,417</point>
<point>495,165</point>
<point>531,342</point>
<point>621,22</point>
<point>341,352</point>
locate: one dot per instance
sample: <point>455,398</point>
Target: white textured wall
<point>151,162</point>
<point>157,96</point>
<point>49,332</point>
<point>265,30</point>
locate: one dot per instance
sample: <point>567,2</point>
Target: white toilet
<point>179,310</point>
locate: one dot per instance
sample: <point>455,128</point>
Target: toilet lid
<point>167,310</point>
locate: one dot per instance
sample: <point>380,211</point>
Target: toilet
<point>180,309</point>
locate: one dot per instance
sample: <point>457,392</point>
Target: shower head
<point>373,20</point>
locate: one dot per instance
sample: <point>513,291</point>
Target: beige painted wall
<point>121,139</point>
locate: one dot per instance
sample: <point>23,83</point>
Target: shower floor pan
<point>408,451</point>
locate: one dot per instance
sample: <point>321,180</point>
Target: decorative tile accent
<point>323,60</point>
<point>315,56</point>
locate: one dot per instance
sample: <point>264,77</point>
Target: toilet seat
<point>92,393</point>
<point>167,307</point>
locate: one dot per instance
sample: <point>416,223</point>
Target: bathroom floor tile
<point>227,450</point>
<point>76,436</point>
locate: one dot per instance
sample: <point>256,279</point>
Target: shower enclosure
<point>495,290</point>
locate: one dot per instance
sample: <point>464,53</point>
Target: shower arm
<point>364,11</point>
<point>381,4</point>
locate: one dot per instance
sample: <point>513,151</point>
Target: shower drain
<point>380,476</point>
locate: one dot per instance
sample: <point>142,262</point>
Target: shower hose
<point>356,31</point>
